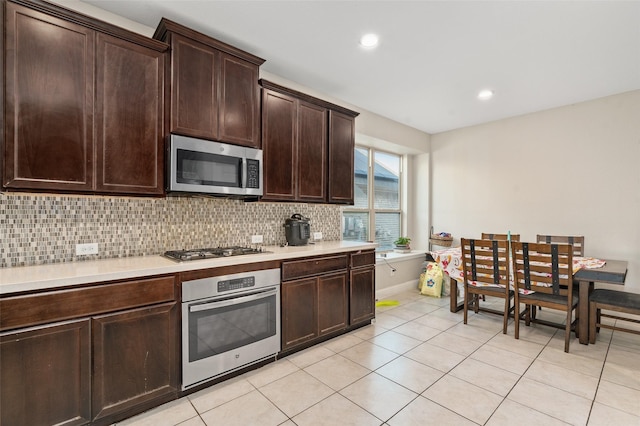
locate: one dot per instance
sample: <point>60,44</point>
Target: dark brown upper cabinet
<point>294,147</point>
<point>341,148</point>
<point>83,104</point>
<point>214,88</point>
<point>129,117</point>
<point>308,147</point>
<point>49,102</point>
<point>279,146</point>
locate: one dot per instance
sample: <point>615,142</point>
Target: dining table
<point>613,272</point>
<point>587,272</point>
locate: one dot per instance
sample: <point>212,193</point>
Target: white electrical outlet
<point>256,239</point>
<point>86,249</point>
<point>317,236</point>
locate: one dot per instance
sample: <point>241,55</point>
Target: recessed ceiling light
<point>485,95</point>
<point>369,40</point>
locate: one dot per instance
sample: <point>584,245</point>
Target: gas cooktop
<point>210,253</point>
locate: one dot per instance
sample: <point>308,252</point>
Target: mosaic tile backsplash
<point>38,229</point>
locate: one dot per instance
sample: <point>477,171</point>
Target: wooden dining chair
<point>501,237</point>
<point>577,242</point>
<point>487,236</point>
<point>543,276</point>
<point>485,267</point>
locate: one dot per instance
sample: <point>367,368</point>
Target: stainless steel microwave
<point>207,167</point>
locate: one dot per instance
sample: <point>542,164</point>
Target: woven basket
<point>440,241</point>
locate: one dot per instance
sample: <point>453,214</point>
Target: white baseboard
<point>389,291</point>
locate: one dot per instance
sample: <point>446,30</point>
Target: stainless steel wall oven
<point>228,322</point>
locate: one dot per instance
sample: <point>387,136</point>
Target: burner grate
<point>210,253</point>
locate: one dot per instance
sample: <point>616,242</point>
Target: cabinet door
<point>49,102</point>
<point>134,358</point>
<point>279,146</point>
<point>129,117</point>
<point>194,109</point>
<point>312,153</point>
<point>332,303</point>
<point>239,102</point>
<point>362,295</point>
<point>341,146</point>
<point>299,312</point>
<point>46,375</point>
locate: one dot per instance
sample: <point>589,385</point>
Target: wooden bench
<point>612,300</point>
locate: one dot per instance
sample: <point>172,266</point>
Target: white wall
<point>419,194</point>
<point>398,272</point>
<point>573,170</point>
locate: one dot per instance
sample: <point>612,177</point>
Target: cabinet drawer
<point>363,258</point>
<point>314,266</point>
<point>41,308</point>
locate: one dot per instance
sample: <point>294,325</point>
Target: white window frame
<point>371,230</point>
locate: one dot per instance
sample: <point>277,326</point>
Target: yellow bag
<point>431,280</point>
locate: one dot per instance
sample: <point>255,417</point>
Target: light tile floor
<point>420,365</point>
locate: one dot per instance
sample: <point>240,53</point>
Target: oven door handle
<point>234,301</point>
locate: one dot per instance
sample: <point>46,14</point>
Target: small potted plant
<point>402,244</point>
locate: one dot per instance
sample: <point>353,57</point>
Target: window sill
<point>399,257</point>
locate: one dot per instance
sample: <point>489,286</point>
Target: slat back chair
<point>485,265</point>
<point>487,236</point>
<point>543,276</point>
<point>576,241</point>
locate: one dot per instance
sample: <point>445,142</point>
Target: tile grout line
<point>604,362</point>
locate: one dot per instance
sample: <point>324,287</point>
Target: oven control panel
<point>236,284</point>
<point>224,285</point>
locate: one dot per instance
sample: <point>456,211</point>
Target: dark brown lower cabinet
<point>332,303</point>
<point>325,296</point>
<point>134,358</point>
<point>313,307</point>
<point>46,370</point>
<point>362,297</point>
<point>46,375</point>
<point>362,287</point>
<point>299,312</point>
<point>88,355</point>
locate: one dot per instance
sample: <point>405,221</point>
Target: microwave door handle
<point>243,172</point>
<point>230,302</point>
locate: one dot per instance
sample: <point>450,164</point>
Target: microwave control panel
<point>253,173</point>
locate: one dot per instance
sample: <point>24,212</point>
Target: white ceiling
<point>433,57</point>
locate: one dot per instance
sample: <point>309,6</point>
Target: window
<point>375,215</point>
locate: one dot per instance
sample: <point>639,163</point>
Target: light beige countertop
<point>55,275</point>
